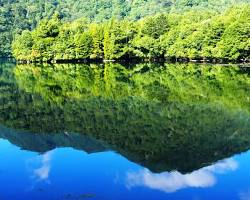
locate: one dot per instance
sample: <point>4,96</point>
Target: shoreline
<point>137,60</point>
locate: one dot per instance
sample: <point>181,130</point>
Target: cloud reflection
<point>173,181</point>
<point>245,195</point>
<point>42,173</point>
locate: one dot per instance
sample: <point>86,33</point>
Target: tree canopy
<point>19,15</point>
<point>193,34</point>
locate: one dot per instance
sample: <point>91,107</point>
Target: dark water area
<point>111,131</point>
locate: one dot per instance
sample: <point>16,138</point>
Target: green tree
<point>155,26</point>
<point>83,45</point>
<point>22,46</point>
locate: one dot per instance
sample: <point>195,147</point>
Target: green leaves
<point>235,42</point>
<point>155,26</point>
<point>22,46</point>
<point>16,16</point>
<point>83,43</point>
<point>202,35</point>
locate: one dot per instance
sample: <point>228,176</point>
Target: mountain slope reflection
<point>43,143</point>
<point>172,117</point>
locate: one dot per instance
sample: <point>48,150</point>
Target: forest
<point>194,34</point>
<point>16,16</point>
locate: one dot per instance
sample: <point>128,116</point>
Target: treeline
<point>202,35</point>
<point>18,15</point>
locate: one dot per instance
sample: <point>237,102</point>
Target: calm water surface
<point>109,132</point>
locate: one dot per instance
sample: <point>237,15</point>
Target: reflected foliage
<point>165,117</point>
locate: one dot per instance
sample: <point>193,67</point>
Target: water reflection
<point>245,195</point>
<point>42,173</point>
<point>173,181</point>
<point>175,121</point>
<point>64,173</point>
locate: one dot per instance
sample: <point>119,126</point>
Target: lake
<point>114,131</point>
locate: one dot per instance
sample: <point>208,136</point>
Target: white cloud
<point>173,181</point>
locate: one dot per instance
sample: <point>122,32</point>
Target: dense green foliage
<point>18,15</point>
<point>195,34</point>
<point>162,116</point>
